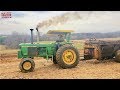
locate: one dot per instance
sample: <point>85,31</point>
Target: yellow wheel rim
<point>27,65</point>
<point>69,56</point>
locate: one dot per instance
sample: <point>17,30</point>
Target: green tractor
<point>61,52</point>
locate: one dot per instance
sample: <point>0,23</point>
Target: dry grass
<point>9,51</point>
<point>2,47</point>
<point>112,39</point>
<point>4,50</point>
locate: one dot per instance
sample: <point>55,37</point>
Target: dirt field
<point>92,69</point>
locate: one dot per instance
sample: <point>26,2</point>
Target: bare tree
<point>13,40</point>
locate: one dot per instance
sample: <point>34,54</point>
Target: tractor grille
<point>32,51</point>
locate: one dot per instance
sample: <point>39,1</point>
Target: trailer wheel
<point>117,56</point>
<point>87,57</point>
<point>27,65</point>
<point>67,56</point>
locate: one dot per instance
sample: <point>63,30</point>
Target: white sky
<point>97,21</point>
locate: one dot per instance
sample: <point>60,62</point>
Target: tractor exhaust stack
<point>31,36</point>
<point>38,35</point>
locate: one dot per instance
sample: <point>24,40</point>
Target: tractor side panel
<point>38,50</point>
<point>47,51</point>
<point>19,54</point>
<point>42,51</point>
<point>27,52</point>
<point>24,51</point>
<point>32,51</point>
<point>50,50</point>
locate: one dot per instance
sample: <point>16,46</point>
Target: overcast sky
<point>96,21</point>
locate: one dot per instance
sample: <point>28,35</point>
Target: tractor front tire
<point>27,65</point>
<point>67,56</point>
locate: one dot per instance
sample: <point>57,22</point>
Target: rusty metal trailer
<point>101,50</point>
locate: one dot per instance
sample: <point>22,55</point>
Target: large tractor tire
<point>117,56</point>
<point>67,56</point>
<point>54,60</point>
<point>27,65</point>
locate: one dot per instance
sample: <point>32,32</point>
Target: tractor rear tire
<point>67,56</point>
<point>54,60</point>
<point>117,56</point>
<point>27,65</point>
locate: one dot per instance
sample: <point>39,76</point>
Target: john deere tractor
<point>61,52</point>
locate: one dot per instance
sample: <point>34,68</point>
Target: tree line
<point>12,41</point>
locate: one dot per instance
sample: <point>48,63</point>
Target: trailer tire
<point>87,57</point>
<point>117,56</point>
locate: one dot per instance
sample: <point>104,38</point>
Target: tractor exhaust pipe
<point>38,35</point>
<point>31,36</point>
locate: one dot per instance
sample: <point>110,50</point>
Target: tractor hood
<point>35,44</point>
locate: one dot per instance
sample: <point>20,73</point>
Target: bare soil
<point>91,69</point>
